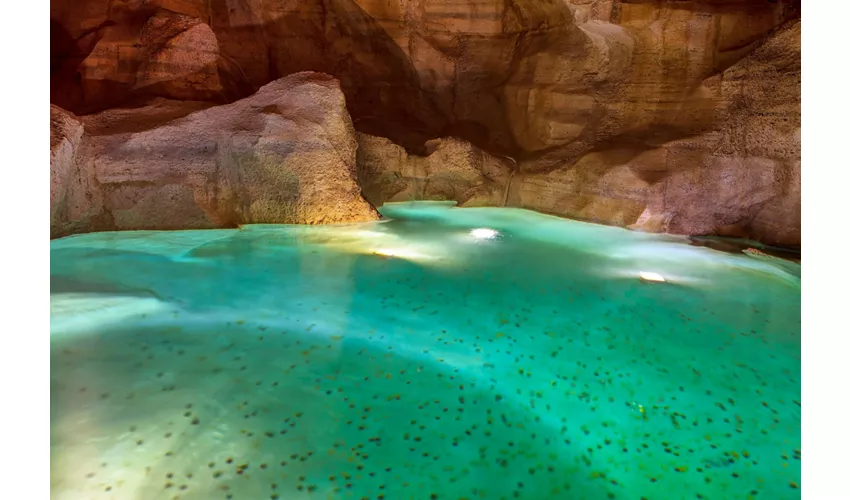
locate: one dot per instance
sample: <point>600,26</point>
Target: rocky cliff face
<point>599,104</point>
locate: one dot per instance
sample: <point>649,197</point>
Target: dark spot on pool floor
<point>607,415</point>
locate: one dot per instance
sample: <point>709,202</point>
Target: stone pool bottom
<point>440,353</point>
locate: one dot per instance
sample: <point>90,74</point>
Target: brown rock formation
<point>740,179</point>
<point>74,198</point>
<point>454,170</point>
<point>139,54</point>
<point>594,85</point>
<point>283,155</point>
<point>518,77</point>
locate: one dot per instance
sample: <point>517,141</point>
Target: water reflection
<point>285,362</point>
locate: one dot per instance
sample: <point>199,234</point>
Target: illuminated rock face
<point>739,178</point>
<point>284,155</point>
<point>453,170</point>
<point>555,84</point>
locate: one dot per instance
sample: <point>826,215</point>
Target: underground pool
<point>438,353</point>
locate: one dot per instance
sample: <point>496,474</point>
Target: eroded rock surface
<point>547,79</point>
<point>621,111</point>
<point>740,179</point>
<point>75,200</point>
<point>453,170</point>
<point>283,155</point>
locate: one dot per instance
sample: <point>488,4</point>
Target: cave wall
<point>571,91</point>
<point>519,77</point>
<point>741,177</point>
<point>451,170</point>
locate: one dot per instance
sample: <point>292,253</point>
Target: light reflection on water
<point>409,357</point>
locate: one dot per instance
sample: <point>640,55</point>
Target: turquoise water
<point>418,358</point>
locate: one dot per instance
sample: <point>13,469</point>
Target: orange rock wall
<point>593,86</point>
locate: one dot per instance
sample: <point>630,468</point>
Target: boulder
<point>284,155</point>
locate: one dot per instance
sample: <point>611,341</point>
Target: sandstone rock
<point>181,58</point>
<point>760,143</point>
<point>605,100</point>
<point>543,81</point>
<point>75,201</point>
<point>453,170</point>
<point>593,10</point>
<point>65,134</point>
<point>161,53</point>
<point>283,155</point>
<point>741,179</point>
<point>600,187</point>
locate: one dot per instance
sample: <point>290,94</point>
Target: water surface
<point>416,357</point>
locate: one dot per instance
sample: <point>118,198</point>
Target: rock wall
<point>516,77</point>
<point>453,169</point>
<point>596,96</point>
<point>75,200</point>
<point>284,155</point>
<point>742,178</point>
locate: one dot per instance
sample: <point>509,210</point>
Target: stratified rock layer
<point>740,179</point>
<point>621,111</point>
<point>547,79</point>
<point>283,155</point>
